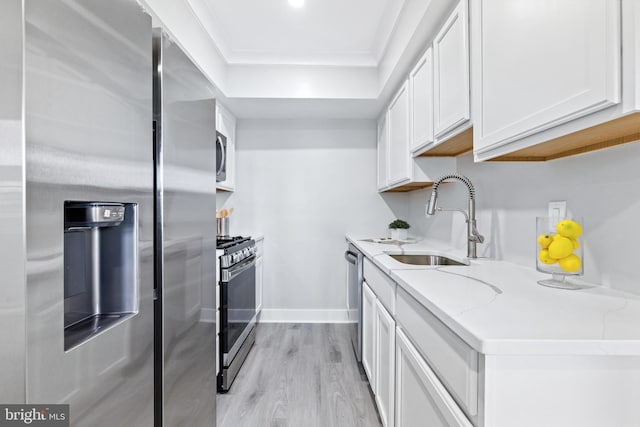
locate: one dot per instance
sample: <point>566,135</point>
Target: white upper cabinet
<point>399,160</point>
<point>382,152</point>
<point>451,74</point>
<point>397,169</point>
<point>421,97</point>
<point>540,63</point>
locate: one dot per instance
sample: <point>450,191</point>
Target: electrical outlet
<point>558,209</point>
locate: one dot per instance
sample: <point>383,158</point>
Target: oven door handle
<point>240,268</point>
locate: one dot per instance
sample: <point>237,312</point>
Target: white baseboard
<point>303,316</point>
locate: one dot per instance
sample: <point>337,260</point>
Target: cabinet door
<point>451,72</point>
<point>369,333</point>
<point>421,400</point>
<point>258,284</point>
<point>399,163</point>
<point>540,63</point>
<point>421,95</point>
<point>385,364</point>
<point>382,152</point>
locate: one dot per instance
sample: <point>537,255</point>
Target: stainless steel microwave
<point>221,157</point>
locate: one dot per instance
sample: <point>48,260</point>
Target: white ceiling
<point>322,32</point>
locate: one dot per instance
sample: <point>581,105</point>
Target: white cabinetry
<point>421,101</point>
<point>545,70</point>
<point>397,169</point>
<point>378,339</point>
<point>369,333</point>
<point>259,274</point>
<point>440,380</point>
<point>399,163</point>
<point>378,353</point>
<point>454,361</point>
<point>226,125</point>
<point>421,400</point>
<point>382,152</point>
<point>385,364</point>
<point>451,74</point>
<point>430,108</point>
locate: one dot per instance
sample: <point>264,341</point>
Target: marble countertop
<point>499,308</point>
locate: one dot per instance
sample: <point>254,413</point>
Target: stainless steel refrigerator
<point>79,198</point>
<point>184,122</point>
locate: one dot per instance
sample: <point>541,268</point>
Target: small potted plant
<point>399,229</point>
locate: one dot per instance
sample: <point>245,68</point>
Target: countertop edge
<point>498,347</point>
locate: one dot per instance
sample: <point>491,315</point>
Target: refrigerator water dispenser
<point>100,268</point>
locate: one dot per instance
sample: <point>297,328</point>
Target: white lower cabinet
<point>385,364</point>
<point>259,274</point>
<point>423,374</point>
<point>369,333</point>
<point>258,285</point>
<point>421,400</point>
<point>378,353</point>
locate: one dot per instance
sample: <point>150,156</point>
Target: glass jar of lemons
<point>559,250</point>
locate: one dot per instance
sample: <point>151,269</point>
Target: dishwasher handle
<point>351,257</point>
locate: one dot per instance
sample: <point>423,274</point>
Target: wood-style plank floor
<point>299,375</point>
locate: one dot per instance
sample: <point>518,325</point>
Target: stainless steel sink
<point>425,260</point>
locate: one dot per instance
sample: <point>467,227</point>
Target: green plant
<point>398,223</point>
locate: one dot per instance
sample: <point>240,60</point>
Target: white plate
<point>383,240</point>
<point>390,241</point>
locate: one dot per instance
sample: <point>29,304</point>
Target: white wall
<point>305,184</point>
<point>603,187</point>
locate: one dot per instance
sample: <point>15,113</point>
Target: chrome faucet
<point>473,237</point>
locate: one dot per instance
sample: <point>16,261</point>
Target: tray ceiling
<point>322,32</point>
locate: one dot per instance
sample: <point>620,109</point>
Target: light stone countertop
<point>499,308</point>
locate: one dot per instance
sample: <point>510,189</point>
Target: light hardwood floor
<point>299,375</point>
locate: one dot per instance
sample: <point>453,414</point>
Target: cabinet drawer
<point>381,285</point>
<point>454,361</point>
<point>421,398</point>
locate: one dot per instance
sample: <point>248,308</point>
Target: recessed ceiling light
<point>296,3</point>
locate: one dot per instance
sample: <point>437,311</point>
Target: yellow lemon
<point>569,228</point>
<point>557,236</point>
<point>560,248</point>
<point>544,240</point>
<point>544,257</point>
<point>571,263</point>
<point>575,243</point>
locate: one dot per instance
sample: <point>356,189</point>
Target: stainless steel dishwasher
<point>354,297</point>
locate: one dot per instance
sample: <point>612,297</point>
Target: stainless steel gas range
<point>237,305</point>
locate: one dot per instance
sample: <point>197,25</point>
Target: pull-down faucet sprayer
<point>473,237</point>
